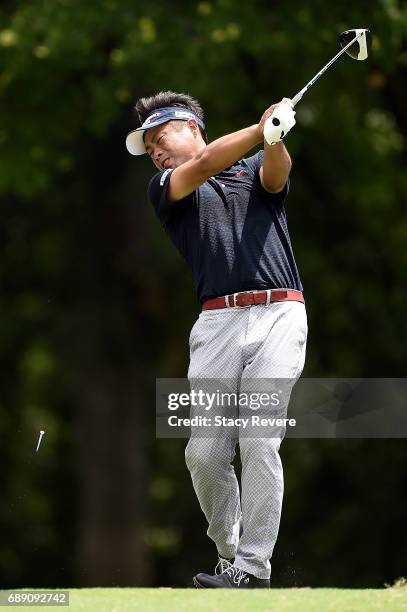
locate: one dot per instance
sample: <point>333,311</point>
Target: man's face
<point>171,145</point>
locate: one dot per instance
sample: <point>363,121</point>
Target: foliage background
<point>96,303</point>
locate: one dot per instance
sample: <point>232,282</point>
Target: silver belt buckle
<point>234,300</point>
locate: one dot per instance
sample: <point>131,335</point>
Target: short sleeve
<point>254,163</point>
<point>157,193</point>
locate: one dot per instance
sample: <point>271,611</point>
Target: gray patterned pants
<point>234,347</point>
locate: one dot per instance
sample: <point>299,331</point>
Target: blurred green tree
<point>96,303</point>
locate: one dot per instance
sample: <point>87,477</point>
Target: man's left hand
<point>277,121</point>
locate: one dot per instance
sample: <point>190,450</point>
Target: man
<point>225,214</point>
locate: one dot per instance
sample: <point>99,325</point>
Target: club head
<point>361,48</point>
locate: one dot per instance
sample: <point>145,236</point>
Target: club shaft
<point>299,95</point>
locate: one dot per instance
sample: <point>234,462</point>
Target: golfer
<point>224,211</point>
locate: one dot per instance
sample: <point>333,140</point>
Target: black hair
<point>145,106</point>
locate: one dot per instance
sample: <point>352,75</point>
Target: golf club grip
<point>297,97</point>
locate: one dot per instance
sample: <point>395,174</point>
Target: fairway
<point>281,600</point>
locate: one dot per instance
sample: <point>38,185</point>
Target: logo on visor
<point>183,115</point>
<point>150,118</point>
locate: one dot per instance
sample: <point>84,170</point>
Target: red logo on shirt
<point>241,173</point>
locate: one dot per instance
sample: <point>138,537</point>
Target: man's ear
<point>193,126</point>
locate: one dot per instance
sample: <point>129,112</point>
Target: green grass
<point>393,599</point>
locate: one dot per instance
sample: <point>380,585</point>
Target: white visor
<point>135,139</point>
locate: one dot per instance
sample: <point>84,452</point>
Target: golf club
<point>356,43</point>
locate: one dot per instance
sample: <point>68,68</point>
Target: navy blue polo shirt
<point>231,232</point>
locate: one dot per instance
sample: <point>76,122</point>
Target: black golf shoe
<point>231,578</point>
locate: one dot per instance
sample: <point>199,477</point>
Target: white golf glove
<point>280,122</point>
